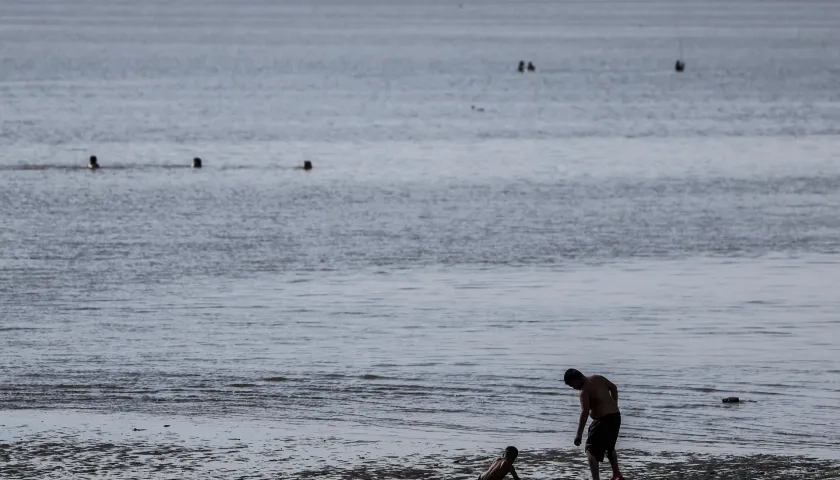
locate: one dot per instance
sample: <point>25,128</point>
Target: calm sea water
<point>467,234</point>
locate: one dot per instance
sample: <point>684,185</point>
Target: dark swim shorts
<point>603,434</point>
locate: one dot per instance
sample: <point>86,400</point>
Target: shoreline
<point>37,444</point>
<point>45,457</point>
<point>341,440</point>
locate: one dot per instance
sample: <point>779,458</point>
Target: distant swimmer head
<point>93,162</point>
<point>511,453</point>
<point>531,67</point>
<point>521,66</point>
<point>679,66</point>
<point>307,165</point>
<point>196,162</point>
<point>574,379</point>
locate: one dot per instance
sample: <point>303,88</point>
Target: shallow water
<point>426,285</point>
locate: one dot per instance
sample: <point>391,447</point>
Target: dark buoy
<point>521,67</point>
<point>731,400</point>
<point>307,165</point>
<point>196,162</point>
<point>679,66</point>
<point>531,67</point>
<point>93,163</point>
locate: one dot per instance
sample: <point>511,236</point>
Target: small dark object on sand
<point>731,400</point>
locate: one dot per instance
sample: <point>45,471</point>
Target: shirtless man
<point>598,399</point>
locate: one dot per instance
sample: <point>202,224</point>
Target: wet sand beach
<point>84,445</point>
<point>66,457</point>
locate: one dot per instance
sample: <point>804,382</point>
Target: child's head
<point>511,453</point>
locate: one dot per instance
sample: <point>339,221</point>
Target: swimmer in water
<point>196,162</point>
<point>93,163</point>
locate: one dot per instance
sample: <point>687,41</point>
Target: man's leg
<point>613,458</point>
<point>593,465</point>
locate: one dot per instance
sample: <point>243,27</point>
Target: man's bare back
<point>602,395</point>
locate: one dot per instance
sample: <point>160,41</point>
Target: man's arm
<point>584,415</point>
<point>613,390</point>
